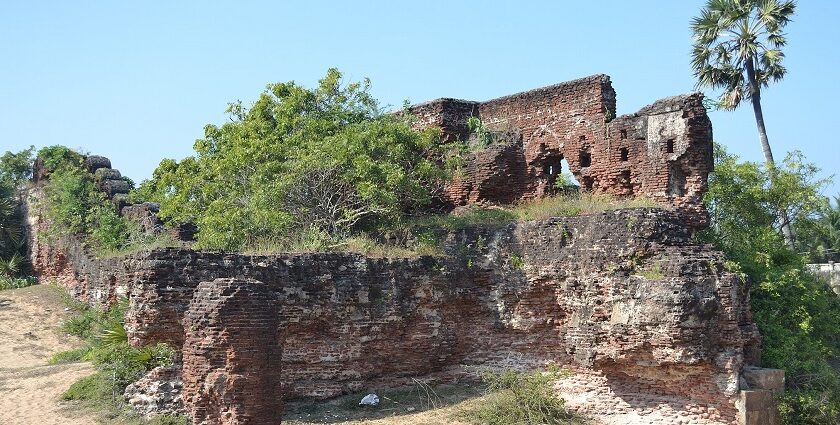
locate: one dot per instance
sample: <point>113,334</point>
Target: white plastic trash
<point>369,400</point>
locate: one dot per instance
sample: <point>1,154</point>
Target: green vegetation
<point>75,205</point>
<point>515,398</point>
<point>118,363</point>
<point>738,48</point>
<point>15,170</point>
<point>299,164</point>
<point>820,238</point>
<point>798,314</point>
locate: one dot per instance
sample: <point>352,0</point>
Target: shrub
<point>516,398</point>
<point>798,314</point>
<point>90,388</point>
<point>300,158</point>
<point>107,347</point>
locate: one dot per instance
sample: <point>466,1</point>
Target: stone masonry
<point>663,151</point>
<point>653,327</point>
<point>648,320</point>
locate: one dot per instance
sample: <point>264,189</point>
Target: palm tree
<point>738,48</point>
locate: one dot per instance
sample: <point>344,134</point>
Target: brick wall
<point>650,321</point>
<point>663,151</point>
<point>232,354</point>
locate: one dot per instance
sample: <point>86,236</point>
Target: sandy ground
<point>29,335</point>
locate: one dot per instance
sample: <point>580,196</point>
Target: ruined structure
<point>653,326</point>
<point>663,151</point>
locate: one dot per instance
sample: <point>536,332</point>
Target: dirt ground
<point>29,335</point>
<point>30,320</point>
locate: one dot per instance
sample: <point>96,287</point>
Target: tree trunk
<point>755,96</point>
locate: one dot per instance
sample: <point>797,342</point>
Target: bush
<point>9,282</point>
<point>798,314</point>
<point>325,158</point>
<point>516,398</point>
<point>90,388</point>
<point>107,347</point>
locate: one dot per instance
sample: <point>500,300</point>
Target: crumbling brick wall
<point>647,319</point>
<point>232,353</point>
<point>663,151</point>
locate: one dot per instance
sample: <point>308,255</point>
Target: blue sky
<point>137,81</point>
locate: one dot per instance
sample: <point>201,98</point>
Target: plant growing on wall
<point>299,160</point>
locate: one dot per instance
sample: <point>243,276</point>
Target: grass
<point>141,244</point>
<point>117,363</point>
<point>423,235</point>
<point>69,356</point>
<point>410,400</point>
<point>652,273</point>
<point>576,204</point>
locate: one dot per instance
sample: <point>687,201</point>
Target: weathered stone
<point>626,295</point>
<point>157,393</point>
<point>145,217</point>
<point>758,378</point>
<point>650,322</point>
<point>113,187</point>
<point>95,162</point>
<point>232,354</point>
<point>757,407</point>
<point>107,174</point>
<point>663,151</point>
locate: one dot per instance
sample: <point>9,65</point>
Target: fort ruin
<point>653,326</point>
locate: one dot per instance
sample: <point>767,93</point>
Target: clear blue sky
<point>137,81</point>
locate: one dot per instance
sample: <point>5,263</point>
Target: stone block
<point>95,162</point>
<point>758,378</point>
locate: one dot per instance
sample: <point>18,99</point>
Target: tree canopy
<point>326,160</point>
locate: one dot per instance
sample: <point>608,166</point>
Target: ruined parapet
<point>663,151</point>
<point>232,353</point>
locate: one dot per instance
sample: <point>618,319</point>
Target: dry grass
<point>425,232</point>
<point>576,204</point>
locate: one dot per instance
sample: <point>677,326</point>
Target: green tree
<point>738,48</point>
<point>298,160</point>
<point>15,170</point>
<point>822,236</point>
<point>798,314</point>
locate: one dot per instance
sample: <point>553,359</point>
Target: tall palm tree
<point>738,48</point>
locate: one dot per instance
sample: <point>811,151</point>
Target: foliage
<point>57,157</point>
<point>516,398</point>
<point>736,38</point>
<point>75,205</point>
<point>8,282</point>
<point>748,202</point>
<point>15,169</point>
<point>821,237</point>
<point>262,175</point>
<point>797,313</point>
<point>484,137</point>
<point>106,346</point>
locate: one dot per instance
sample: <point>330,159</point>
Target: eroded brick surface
<point>626,298</point>
<point>231,354</point>
<point>663,151</point>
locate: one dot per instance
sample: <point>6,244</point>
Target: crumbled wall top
<point>663,151</point>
